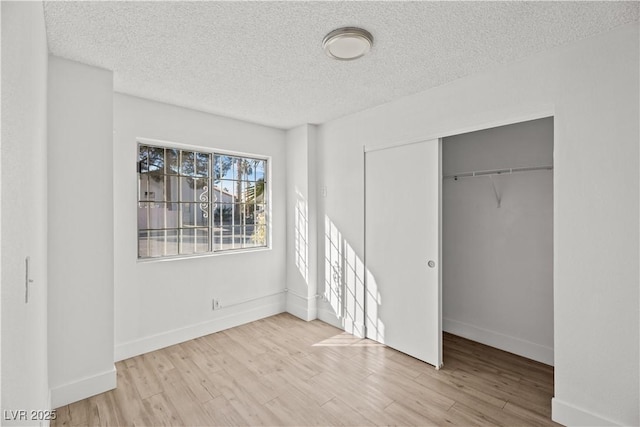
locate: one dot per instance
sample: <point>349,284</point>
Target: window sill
<point>203,255</point>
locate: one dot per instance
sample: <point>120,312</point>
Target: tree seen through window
<point>192,202</point>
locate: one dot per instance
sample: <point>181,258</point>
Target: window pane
<point>238,237</point>
<point>233,170</point>
<point>187,166</point>
<point>226,238</point>
<point>156,243</point>
<point>172,193</point>
<point>228,190</point>
<point>143,186</point>
<point>202,164</point>
<point>260,170</point>
<point>187,240</point>
<point>222,214</point>
<point>251,175</point>
<point>216,197</point>
<point>195,214</point>
<point>156,160</point>
<point>143,219</point>
<point>187,187</point>
<point>249,243</point>
<point>202,240</point>
<point>240,213</point>
<point>223,167</point>
<point>228,217</point>
<point>214,214</point>
<point>255,192</point>
<point>242,167</point>
<point>171,242</point>
<point>227,214</point>
<point>154,188</point>
<point>143,155</point>
<point>218,231</point>
<point>260,227</point>
<point>202,214</point>
<point>249,214</point>
<point>156,215</point>
<point>249,231</point>
<point>263,190</point>
<point>241,191</point>
<point>143,244</point>
<point>171,215</point>
<point>201,186</point>
<point>195,202</point>
<point>172,157</point>
<point>216,243</point>
<point>188,214</point>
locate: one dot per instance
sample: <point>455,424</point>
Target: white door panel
<point>402,235</point>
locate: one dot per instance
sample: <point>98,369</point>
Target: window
<point>197,202</point>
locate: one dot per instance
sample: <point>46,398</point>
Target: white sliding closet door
<point>403,289</point>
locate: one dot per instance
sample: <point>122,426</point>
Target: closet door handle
<point>431,263</point>
<point>27,278</point>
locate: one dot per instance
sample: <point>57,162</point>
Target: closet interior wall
<point>498,238</point>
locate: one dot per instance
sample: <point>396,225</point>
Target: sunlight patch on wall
<point>301,234</point>
<point>344,274</point>
<point>375,326</point>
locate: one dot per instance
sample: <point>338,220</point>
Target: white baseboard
<point>508,343</point>
<point>569,415</point>
<point>268,306</point>
<point>302,307</point>
<point>83,388</point>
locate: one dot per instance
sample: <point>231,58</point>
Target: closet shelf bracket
<point>495,190</point>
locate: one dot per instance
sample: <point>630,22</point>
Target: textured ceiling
<point>263,61</point>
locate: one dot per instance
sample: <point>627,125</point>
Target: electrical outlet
<point>215,304</point>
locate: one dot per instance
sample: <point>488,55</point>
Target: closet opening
<point>497,257</point>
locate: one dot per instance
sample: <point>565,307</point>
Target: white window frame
<point>212,152</point>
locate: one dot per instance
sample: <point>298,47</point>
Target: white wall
<point>340,159</point>
<point>498,261</point>
<point>24,208</point>
<point>80,228</point>
<point>301,222</point>
<point>591,89</point>
<point>160,303</point>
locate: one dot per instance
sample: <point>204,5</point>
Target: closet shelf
<point>492,172</point>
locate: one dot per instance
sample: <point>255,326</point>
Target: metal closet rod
<point>497,172</point>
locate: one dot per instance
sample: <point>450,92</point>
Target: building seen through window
<point>196,202</point>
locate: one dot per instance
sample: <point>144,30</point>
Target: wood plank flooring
<point>284,371</point>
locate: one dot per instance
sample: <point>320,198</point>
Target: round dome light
<point>347,43</point>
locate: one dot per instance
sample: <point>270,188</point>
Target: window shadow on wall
<point>344,283</point>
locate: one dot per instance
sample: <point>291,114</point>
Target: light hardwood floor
<point>284,371</point>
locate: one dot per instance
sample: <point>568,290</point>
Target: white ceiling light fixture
<point>348,43</point>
